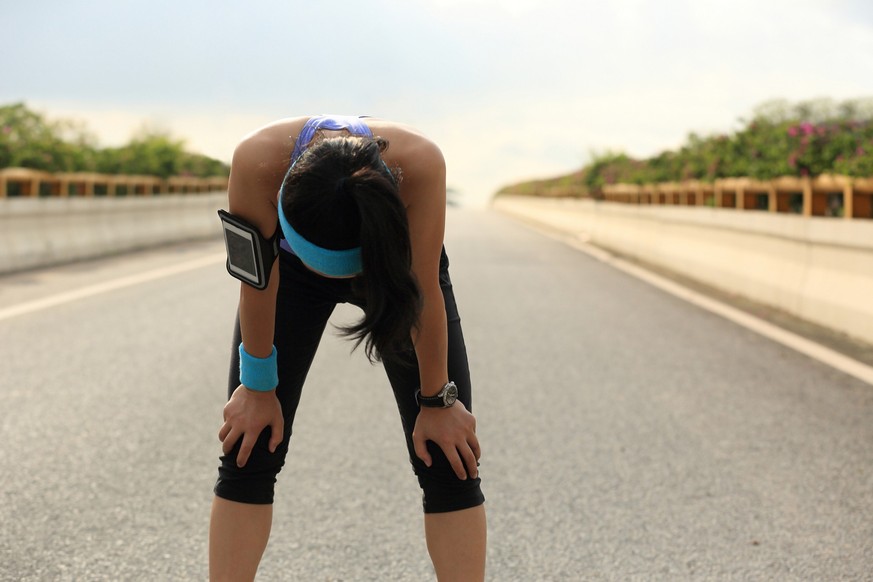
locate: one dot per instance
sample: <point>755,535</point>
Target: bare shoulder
<point>407,146</point>
<point>420,159</point>
<point>256,172</point>
<point>266,151</point>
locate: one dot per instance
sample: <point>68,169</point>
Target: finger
<point>225,429</point>
<point>456,463</point>
<point>474,445</point>
<point>229,441</point>
<point>242,457</point>
<point>470,462</point>
<point>421,450</point>
<point>277,428</point>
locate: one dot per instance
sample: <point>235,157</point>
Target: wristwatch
<point>443,399</point>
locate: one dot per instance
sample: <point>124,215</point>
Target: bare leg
<point>238,534</point>
<point>456,543</point>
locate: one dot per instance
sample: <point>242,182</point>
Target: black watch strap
<point>443,399</point>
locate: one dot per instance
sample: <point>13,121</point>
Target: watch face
<point>451,394</point>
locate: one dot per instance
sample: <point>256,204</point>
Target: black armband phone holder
<point>250,256</point>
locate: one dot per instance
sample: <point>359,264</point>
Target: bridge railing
<point>55,218</point>
<point>815,268</point>
<point>26,182</point>
<point>825,195</point>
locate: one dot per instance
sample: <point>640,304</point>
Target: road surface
<point>626,434</point>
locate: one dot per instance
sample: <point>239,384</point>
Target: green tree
<point>28,140</point>
<point>150,152</point>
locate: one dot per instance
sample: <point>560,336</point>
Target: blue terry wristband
<point>258,373</point>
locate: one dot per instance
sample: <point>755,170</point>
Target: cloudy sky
<point>510,89</point>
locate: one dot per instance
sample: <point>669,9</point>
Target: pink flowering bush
<point>806,139</point>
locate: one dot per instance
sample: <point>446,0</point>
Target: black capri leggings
<point>305,302</point>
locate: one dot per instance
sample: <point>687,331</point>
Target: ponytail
<point>341,195</point>
<point>391,296</point>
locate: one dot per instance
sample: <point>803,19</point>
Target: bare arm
<point>427,219</point>
<point>252,194</point>
<point>251,197</point>
<point>453,429</point>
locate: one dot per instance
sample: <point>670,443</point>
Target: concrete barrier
<point>819,269</point>
<point>39,232</point>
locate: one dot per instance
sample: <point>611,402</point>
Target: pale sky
<point>510,89</point>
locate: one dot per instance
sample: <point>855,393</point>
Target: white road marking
<point>111,285</point>
<point>791,340</point>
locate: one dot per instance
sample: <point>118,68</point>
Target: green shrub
<point>29,140</point>
<point>806,139</point>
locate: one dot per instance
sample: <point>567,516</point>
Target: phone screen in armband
<point>245,257</point>
<point>241,251</point>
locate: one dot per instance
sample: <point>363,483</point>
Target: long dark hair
<point>340,195</point>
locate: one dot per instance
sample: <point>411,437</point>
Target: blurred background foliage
<point>29,140</point>
<point>780,139</point>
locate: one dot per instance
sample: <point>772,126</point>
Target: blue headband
<point>344,263</point>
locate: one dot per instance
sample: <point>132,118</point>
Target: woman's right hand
<point>246,415</point>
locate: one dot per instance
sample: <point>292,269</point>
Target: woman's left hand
<point>453,429</point>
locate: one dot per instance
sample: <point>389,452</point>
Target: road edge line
<point>107,286</point>
<point>805,346</point>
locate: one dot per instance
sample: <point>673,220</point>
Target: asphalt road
<point>626,435</point>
